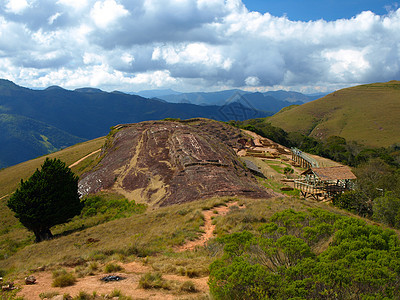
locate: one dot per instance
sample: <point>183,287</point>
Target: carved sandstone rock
<point>163,163</point>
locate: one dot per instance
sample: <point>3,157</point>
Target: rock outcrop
<point>168,162</point>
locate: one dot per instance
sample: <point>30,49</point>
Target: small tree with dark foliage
<point>49,197</point>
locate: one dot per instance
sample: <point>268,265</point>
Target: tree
<point>49,197</point>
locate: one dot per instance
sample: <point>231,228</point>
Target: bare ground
<point>208,227</point>
<point>128,286</point>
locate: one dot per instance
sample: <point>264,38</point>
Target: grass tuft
<point>188,287</point>
<point>62,278</point>
<point>153,281</point>
<point>111,267</point>
<point>48,295</point>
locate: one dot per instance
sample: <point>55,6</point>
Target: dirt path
<point>83,158</point>
<point>208,227</point>
<point>70,166</point>
<point>129,286</point>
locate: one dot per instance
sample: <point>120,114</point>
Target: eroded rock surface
<point>164,162</point>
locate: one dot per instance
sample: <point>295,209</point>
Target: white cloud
<point>53,18</point>
<point>104,13</point>
<point>196,44</point>
<point>76,4</point>
<point>346,62</point>
<point>16,6</point>
<point>252,81</point>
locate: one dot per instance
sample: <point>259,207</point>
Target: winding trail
<point>208,226</point>
<point>83,158</point>
<point>70,166</point>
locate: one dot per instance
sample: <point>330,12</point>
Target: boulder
<point>30,280</point>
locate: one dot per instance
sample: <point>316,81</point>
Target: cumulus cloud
<point>190,45</point>
<point>16,6</point>
<point>104,13</point>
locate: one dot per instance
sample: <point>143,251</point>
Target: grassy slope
<point>10,177</point>
<point>154,231</point>
<point>369,114</point>
<point>12,234</point>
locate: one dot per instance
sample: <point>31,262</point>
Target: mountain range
<point>37,122</point>
<point>268,101</point>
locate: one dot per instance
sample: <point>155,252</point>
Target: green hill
<point>23,138</point>
<point>369,114</point>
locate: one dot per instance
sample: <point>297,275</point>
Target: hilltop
<point>166,162</point>
<point>368,114</point>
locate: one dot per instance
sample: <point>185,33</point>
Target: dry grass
<point>154,232</point>
<point>367,114</point>
<point>11,176</point>
<point>139,235</point>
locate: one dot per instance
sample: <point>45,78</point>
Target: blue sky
<point>199,45</point>
<point>329,10</point>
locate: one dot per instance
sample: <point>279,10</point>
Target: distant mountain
<point>268,101</point>
<point>293,96</point>
<point>22,138</point>
<point>201,98</point>
<point>89,113</point>
<point>156,93</point>
<point>369,114</point>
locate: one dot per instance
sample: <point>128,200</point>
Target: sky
<point>199,45</point>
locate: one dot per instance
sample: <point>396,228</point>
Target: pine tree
<point>48,198</point>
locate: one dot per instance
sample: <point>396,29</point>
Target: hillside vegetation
<point>368,114</point>
<point>279,247</point>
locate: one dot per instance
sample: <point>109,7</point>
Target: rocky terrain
<point>168,162</point>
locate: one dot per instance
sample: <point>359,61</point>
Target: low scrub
<point>188,287</point>
<point>111,267</point>
<point>62,278</point>
<point>153,281</point>
<point>308,255</point>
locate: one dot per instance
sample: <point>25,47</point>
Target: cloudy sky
<point>199,45</point>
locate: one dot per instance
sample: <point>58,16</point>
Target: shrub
<point>118,294</point>
<point>48,295</point>
<point>110,267</point>
<point>83,296</point>
<point>62,278</point>
<point>188,286</point>
<point>387,210</point>
<point>153,281</point>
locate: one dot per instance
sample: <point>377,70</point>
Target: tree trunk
<point>42,235</point>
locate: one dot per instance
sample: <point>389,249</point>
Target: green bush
<point>288,258</point>
<point>62,278</point>
<point>110,268</point>
<point>387,210</point>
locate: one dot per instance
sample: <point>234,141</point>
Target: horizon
<point>154,90</point>
<point>200,45</point>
